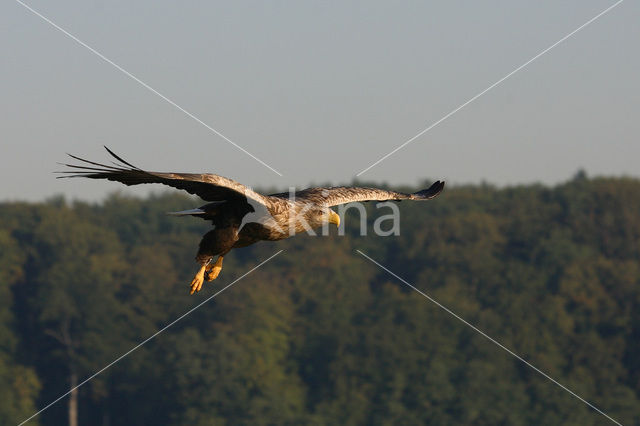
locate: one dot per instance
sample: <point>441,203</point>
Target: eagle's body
<point>241,216</point>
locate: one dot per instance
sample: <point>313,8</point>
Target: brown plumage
<point>241,216</point>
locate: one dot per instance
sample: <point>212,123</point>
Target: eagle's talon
<point>196,283</point>
<point>213,270</point>
<point>213,273</point>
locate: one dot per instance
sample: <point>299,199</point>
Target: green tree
<point>19,385</point>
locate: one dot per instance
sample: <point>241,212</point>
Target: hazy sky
<point>319,91</point>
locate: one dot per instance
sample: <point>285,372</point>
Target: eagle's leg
<point>214,270</point>
<point>196,283</point>
<point>214,243</point>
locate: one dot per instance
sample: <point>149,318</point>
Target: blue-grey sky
<point>319,91</point>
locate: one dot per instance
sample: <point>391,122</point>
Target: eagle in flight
<point>241,216</point>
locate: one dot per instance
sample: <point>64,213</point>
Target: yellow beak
<point>334,218</point>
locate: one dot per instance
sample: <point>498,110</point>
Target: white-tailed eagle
<point>241,216</point>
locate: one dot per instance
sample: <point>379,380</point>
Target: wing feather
<point>344,194</point>
<point>209,187</point>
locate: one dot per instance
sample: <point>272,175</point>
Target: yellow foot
<point>196,283</point>
<point>214,270</point>
<point>213,273</point>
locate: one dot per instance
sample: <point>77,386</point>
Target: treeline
<point>320,335</point>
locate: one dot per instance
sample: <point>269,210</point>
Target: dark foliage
<point>320,335</point>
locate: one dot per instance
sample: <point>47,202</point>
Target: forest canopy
<point>320,335</point>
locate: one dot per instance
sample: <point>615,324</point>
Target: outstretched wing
<point>207,186</point>
<point>344,194</point>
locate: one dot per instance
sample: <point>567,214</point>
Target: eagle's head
<point>320,215</point>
